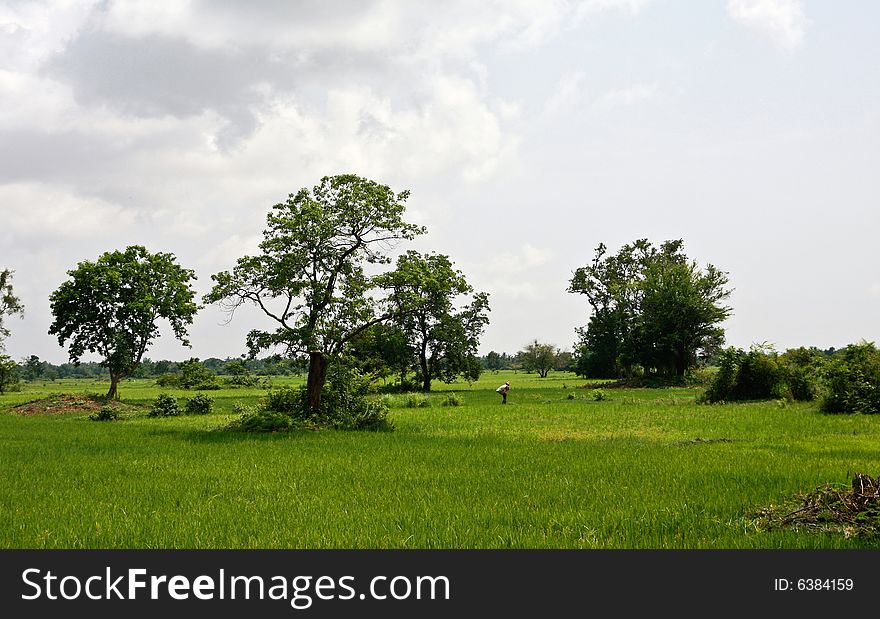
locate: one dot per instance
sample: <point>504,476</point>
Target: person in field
<point>503,389</point>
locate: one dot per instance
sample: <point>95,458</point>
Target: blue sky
<point>527,132</point>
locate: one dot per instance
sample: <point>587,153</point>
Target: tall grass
<point>642,469</point>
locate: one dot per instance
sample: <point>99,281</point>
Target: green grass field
<point>647,468</point>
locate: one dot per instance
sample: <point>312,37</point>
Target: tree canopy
<point>112,306</point>
<point>444,338</point>
<point>538,357</point>
<point>9,303</point>
<point>651,307</point>
<point>309,276</point>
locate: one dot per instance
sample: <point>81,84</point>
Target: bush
<point>416,400</point>
<point>600,395</point>
<point>8,374</point>
<point>801,371</point>
<point>194,375</point>
<point>452,399</point>
<point>168,380</point>
<point>571,396</point>
<point>164,406</point>
<point>260,420</point>
<point>852,380</point>
<point>345,405</point>
<point>753,375</point>
<point>199,405</point>
<point>107,413</point>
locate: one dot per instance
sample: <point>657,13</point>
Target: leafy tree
<point>445,338</point>
<point>9,303</point>
<point>32,368</point>
<point>493,361</point>
<point>309,276</point>
<point>382,350</point>
<point>537,357</point>
<point>111,307</point>
<point>650,307</point>
<point>564,361</point>
<point>8,374</point>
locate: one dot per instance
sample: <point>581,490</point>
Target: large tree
<point>9,303</point>
<point>444,336</point>
<point>651,307</point>
<point>309,276</point>
<point>538,357</point>
<point>112,307</point>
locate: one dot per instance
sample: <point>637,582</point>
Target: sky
<point>528,132</point>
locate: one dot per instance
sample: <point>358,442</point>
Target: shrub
<point>285,400</point>
<point>346,405</point>
<point>452,399</point>
<point>107,413</point>
<point>194,375</point>
<point>852,380</point>
<point>571,396</point>
<point>260,420</point>
<point>753,375</point>
<point>599,395</point>
<point>164,406</point>
<point>199,405</point>
<point>416,400</point>
<point>168,380</point>
<point>801,371</point>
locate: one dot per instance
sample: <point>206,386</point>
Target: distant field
<point>644,469</point>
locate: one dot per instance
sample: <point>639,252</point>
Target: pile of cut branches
<point>853,511</point>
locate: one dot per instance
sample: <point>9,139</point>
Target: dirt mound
<point>62,403</point>
<point>853,511</point>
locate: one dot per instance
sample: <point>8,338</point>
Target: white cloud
<point>783,21</point>
<point>622,97</point>
<point>567,94</point>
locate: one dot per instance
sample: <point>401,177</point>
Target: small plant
<point>260,420</point>
<point>600,395</point>
<point>452,399</point>
<point>416,400</point>
<point>164,406</point>
<point>571,396</point>
<point>199,405</point>
<point>285,400</point>
<point>107,413</point>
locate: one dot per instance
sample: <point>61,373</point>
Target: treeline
<point>33,368</point>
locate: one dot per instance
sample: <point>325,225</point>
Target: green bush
<point>164,406</point>
<point>452,399</point>
<point>852,380</point>
<point>416,400</point>
<point>107,413</point>
<point>285,400</point>
<point>753,375</point>
<point>260,420</point>
<point>199,405</point>
<point>168,380</point>
<point>600,395</point>
<point>571,396</point>
<point>8,374</point>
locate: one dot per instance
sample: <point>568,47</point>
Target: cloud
<point>567,94</point>
<point>623,97</point>
<point>782,21</point>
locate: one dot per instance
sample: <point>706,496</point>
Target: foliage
<point>311,266</point>
<point>164,406</point>
<point>111,307</point>
<point>452,399</point>
<point>261,420</point>
<point>194,375</point>
<point>651,307</point>
<point>107,413</point>
<point>599,395</point>
<point>416,400</point>
<point>540,358</point>
<point>8,374</point>
<point>382,350</point>
<point>753,375</point>
<point>852,380</point>
<point>199,404</point>
<point>168,379</point>
<point>9,303</point>
<point>443,339</point>
<point>802,370</point>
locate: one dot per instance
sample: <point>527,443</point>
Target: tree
<point>423,292</point>
<point>32,368</point>
<point>111,307</point>
<point>9,303</point>
<point>8,374</point>
<point>382,350</point>
<point>309,276</point>
<point>540,358</point>
<point>651,307</point>
<point>493,361</point>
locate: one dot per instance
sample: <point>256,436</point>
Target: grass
<point>646,468</point>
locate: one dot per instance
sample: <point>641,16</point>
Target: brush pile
<point>853,511</point>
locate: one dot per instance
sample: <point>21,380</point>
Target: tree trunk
<point>317,378</point>
<point>113,394</point>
